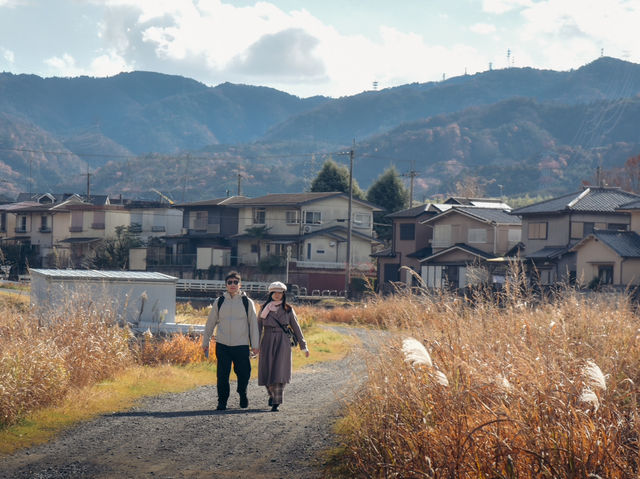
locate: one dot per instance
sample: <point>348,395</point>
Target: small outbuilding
<point>141,298</point>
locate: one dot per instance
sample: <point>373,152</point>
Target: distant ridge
<point>141,130</point>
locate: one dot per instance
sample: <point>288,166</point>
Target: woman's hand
<point>306,352</point>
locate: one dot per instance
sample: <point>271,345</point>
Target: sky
<point>312,47</point>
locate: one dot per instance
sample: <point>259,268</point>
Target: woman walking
<point>274,368</point>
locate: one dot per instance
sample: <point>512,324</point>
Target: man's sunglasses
<point>232,281</point>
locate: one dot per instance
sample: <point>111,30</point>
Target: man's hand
<point>205,349</point>
<point>255,351</point>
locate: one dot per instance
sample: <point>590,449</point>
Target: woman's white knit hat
<point>277,286</point>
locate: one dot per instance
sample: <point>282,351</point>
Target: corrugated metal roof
<point>592,199</point>
<point>92,275</point>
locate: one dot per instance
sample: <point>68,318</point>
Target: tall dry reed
<point>42,358</point>
<point>517,386</point>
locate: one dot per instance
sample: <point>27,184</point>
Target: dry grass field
<point>499,386</point>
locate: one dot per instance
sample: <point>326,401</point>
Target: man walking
<point>234,315</point>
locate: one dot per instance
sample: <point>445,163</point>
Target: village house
<point>401,263</point>
<point>608,257</point>
<point>465,241</point>
<point>551,228</point>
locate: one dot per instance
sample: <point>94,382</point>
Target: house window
<point>44,224</point>
<point>76,221</point>
<point>605,274</point>
<point>320,251</point>
<point>3,222</point>
<point>577,228</point>
<point>477,235</point>
<point>407,232</point>
<point>268,248</point>
<point>538,230</point>
<point>442,236</point>
<point>98,220</point>
<point>259,216</point>
<point>361,220</point>
<point>313,217</point>
<point>308,251</point>
<point>254,248</point>
<point>202,218</point>
<point>292,217</point>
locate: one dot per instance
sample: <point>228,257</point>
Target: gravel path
<point>182,436</point>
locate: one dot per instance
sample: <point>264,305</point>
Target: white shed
<point>140,297</point>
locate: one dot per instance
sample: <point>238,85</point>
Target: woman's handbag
<point>289,332</point>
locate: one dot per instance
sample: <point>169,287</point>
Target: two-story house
<point>410,242</point>
<point>551,228</point>
<point>464,239</point>
<point>610,257</point>
<point>204,241</point>
<point>309,231</point>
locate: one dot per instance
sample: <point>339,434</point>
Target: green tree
<point>389,193</point>
<point>114,252</point>
<point>335,177</point>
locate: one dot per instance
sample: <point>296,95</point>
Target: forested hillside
<point>516,131</point>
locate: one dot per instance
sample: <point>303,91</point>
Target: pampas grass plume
<point>590,397</point>
<point>595,376</point>
<point>415,352</point>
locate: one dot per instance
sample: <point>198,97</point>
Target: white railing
<point>319,265</point>
<point>216,286</point>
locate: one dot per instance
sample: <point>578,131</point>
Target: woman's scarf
<point>271,306</point>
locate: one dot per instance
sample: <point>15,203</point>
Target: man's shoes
<point>244,401</point>
<point>270,401</point>
<point>221,407</point>
<point>274,407</point>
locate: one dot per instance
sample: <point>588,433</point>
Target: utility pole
<point>347,274</point>
<point>184,179</point>
<point>88,186</point>
<point>412,175</point>
<point>239,184</point>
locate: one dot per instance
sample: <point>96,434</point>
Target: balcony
<point>45,229</point>
<point>75,229</point>
<point>158,229</point>
<point>21,229</point>
<point>97,226</point>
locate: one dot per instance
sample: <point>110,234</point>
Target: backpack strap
<point>245,302</point>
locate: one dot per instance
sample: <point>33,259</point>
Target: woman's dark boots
<point>274,407</point>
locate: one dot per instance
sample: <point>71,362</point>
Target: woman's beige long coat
<point>275,350</point>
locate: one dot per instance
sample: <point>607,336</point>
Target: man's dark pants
<point>239,356</point>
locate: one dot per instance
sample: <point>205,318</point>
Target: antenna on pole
<point>508,57</point>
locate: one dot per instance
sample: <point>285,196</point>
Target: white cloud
<point>483,28</point>
<point>8,55</point>
<point>503,6</point>
<point>569,33</point>
<point>65,63</point>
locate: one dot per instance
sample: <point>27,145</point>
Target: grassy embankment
<point>500,386</point>
<point>78,363</point>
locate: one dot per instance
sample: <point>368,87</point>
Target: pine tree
<point>334,177</point>
<point>389,193</point>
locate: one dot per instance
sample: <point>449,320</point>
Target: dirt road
<point>182,436</point>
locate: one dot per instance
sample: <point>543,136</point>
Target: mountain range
<point>517,131</point>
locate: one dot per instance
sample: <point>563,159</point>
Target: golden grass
<point>64,407</point>
<point>519,394</point>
